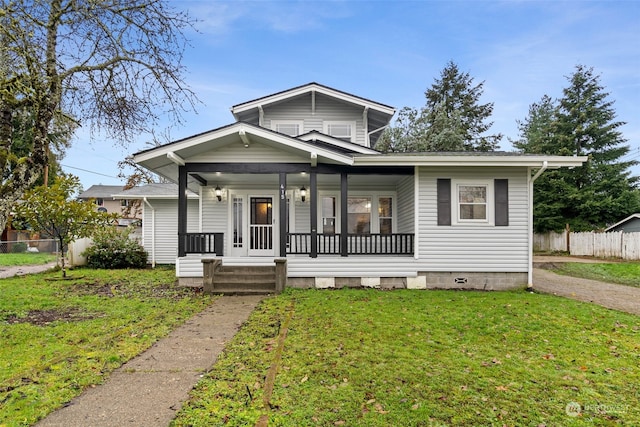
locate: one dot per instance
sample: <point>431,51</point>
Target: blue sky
<point>391,52</point>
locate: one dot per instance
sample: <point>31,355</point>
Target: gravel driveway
<point>617,297</point>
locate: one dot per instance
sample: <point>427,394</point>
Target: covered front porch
<point>296,210</point>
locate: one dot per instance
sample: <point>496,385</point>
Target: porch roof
<point>164,160</point>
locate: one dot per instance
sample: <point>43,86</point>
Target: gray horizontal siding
<point>165,231</point>
<point>214,213</point>
<point>302,220</point>
<point>473,247</point>
<point>405,211</point>
<point>327,109</point>
<point>255,153</point>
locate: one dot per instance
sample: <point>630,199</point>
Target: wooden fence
<point>602,245</point>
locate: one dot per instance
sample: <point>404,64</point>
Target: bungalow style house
<point>297,176</point>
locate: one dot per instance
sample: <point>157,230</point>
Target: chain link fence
<point>49,246</point>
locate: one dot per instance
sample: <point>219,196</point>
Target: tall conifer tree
<point>582,123</point>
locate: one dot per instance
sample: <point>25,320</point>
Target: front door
<point>261,226</point>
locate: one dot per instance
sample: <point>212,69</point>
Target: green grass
<point>25,258</point>
<point>432,358</point>
<point>623,273</point>
<point>62,336</point>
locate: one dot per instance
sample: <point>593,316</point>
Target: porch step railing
<point>202,243</point>
<point>357,244</point>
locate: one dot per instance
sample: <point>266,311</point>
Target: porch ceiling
<point>299,180</point>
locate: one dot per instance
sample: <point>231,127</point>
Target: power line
<point>85,170</point>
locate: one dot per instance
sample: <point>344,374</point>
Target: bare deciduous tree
<point>110,65</point>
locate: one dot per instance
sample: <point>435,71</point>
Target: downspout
<point>531,180</point>
<point>153,232</point>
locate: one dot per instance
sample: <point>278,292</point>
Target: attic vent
<point>460,280</point>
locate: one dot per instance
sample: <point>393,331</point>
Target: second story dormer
<point>314,109</point>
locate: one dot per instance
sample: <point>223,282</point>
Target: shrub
<point>19,247</point>
<point>114,248</point>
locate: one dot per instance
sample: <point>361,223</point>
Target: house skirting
<point>424,280</point>
<point>337,272</point>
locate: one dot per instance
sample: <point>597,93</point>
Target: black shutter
<point>444,202</point>
<point>501,187</point>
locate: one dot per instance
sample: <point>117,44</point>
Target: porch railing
<point>357,244</point>
<point>202,243</point>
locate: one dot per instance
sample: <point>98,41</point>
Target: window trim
<point>299,123</point>
<point>490,203</point>
<point>374,196</point>
<point>350,123</point>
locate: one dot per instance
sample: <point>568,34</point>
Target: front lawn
<point>623,273</point>
<point>26,258</point>
<point>60,336</point>
<point>424,358</point>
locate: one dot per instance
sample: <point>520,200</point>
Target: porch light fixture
<point>303,193</point>
<point>219,193</point>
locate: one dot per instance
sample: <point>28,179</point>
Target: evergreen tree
<point>451,120</point>
<point>583,123</point>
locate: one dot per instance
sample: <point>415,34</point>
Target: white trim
<point>299,123</point>
<point>200,209</point>
<point>635,215</point>
<point>319,136</point>
<point>425,159</point>
<point>416,212</point>
<point>374,217</point>
<point>236,129</point>
<point>313,88</point>
<point>352,126</point>
<point>489,202</point>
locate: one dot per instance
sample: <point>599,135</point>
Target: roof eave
<point>301,90</point>
<point>553,162</point>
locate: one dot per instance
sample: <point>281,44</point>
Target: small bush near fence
<point>113,248</point>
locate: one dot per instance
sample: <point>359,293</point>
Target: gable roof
<point>100,191</point>
<point>334,143</point>
<point>165,159</point>
<point>375,114</point>
<point>237,109</point>
<point>163,190</point>
<point>627,219</point>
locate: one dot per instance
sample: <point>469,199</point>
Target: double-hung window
<point>288,127</point>
<point>367,213</point>
<point>473,202</point>
<point>359,215</point>
<point>341,129</point>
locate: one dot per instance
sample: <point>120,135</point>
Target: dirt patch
<point>126,289</point>
<point>547,265</point>
<point>46,317</point>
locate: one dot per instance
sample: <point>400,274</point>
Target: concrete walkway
<point>149,389</point>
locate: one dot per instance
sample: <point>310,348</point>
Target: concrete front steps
<point>243,279</point>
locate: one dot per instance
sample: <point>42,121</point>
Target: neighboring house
<point>160,218</point>
<point>103,196</point>
<point>297,176</point>
<point>631,224</point>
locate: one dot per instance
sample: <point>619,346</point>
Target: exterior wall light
<point>218,193</point>
<point>303,193</point>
